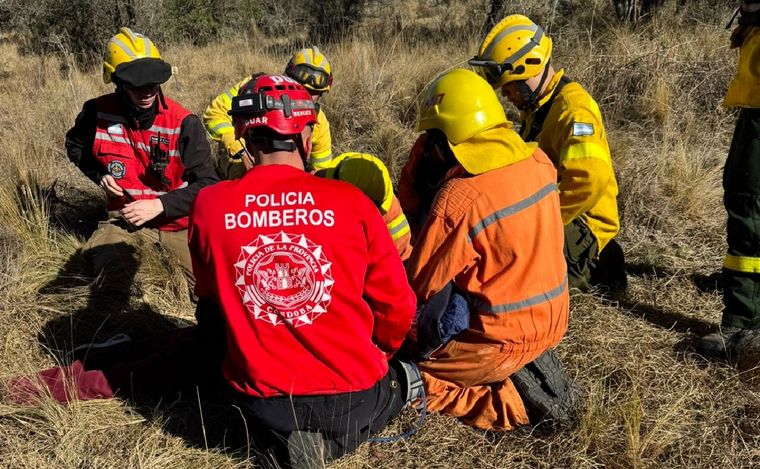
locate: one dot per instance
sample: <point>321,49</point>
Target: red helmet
<point>274,102</point>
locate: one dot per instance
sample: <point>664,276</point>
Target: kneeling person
<point>310,68</point>
<point>494,231</point>
<point>148,154</point>
<point>565,121</point>
<point>371,176</point>
<point>300,280</point>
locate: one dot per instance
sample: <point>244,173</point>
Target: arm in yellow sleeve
<point>585,166</point>
<point>583,181</point>
<point>218,123</point>
<point>321,143</point>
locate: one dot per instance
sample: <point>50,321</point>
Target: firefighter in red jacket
<point>298,276</point>
<point>148,154</point>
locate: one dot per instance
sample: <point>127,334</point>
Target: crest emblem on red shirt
<point>116,169</point>
<point>284,278</point>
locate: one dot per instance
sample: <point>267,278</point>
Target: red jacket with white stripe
<point>312,294</point>
<point>107,139</point>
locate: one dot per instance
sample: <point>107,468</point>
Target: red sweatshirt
<point>313,293</point>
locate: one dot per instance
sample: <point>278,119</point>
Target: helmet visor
<point>143,72</point>
<point>310,77</point>
<point>489,69</point>
<point>261,103</point>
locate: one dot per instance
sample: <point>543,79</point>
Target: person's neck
<point>286,158</point>
<point>549,77</point>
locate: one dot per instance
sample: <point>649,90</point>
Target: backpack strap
<point>529,135</point>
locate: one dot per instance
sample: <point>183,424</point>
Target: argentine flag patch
<point>581,129</point>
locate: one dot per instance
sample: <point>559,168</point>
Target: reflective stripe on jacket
<point>744,90</point>
<point>573,136</point>
<point>125,154</point>
<point>398,227</point>
<point>219,126</point>
<point>499,236</point>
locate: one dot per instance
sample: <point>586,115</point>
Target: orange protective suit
<point>499,236</point>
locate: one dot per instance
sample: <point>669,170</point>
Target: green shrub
<point>80,28</point>
<point>201,21</point>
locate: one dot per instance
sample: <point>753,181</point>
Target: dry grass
<point>651,401</point>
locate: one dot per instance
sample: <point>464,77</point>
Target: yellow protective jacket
<point>744,90</point>
<point>379,190</point>
<point>574,138</point>
<point>219,126</point>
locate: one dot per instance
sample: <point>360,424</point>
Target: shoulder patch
<point>581,129</point>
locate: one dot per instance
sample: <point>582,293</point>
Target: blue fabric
<point>455,319</point>
<point>443,316</point>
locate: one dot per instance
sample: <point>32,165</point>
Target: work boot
<point>716,345</point>
<point>608,271</point>
<point>745,348</point>
<point>548,393</point>
<point>306,450</point>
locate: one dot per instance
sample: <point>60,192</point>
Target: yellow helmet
<point>367,173</point>
<point>461,104</point>
<point>310,68</point>
<point>133,58</point>
<point>514,50</point>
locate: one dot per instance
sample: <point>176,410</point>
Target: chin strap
<point>304,155</point>
<point>161,98</point>
<point>530,97</point>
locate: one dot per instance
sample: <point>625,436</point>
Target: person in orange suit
<point>492,244</point>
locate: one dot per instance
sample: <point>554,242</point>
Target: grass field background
<point>651,401</point>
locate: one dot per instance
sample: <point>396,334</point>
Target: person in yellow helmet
<point>147,152</point>
<point>739,334</point>
<point>311,69</point>
<point>487,266</point>
<point>371,176</point>
<point>566,122</point>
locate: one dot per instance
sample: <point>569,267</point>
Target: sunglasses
<point>312,77</point>
<point>490,69</point>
